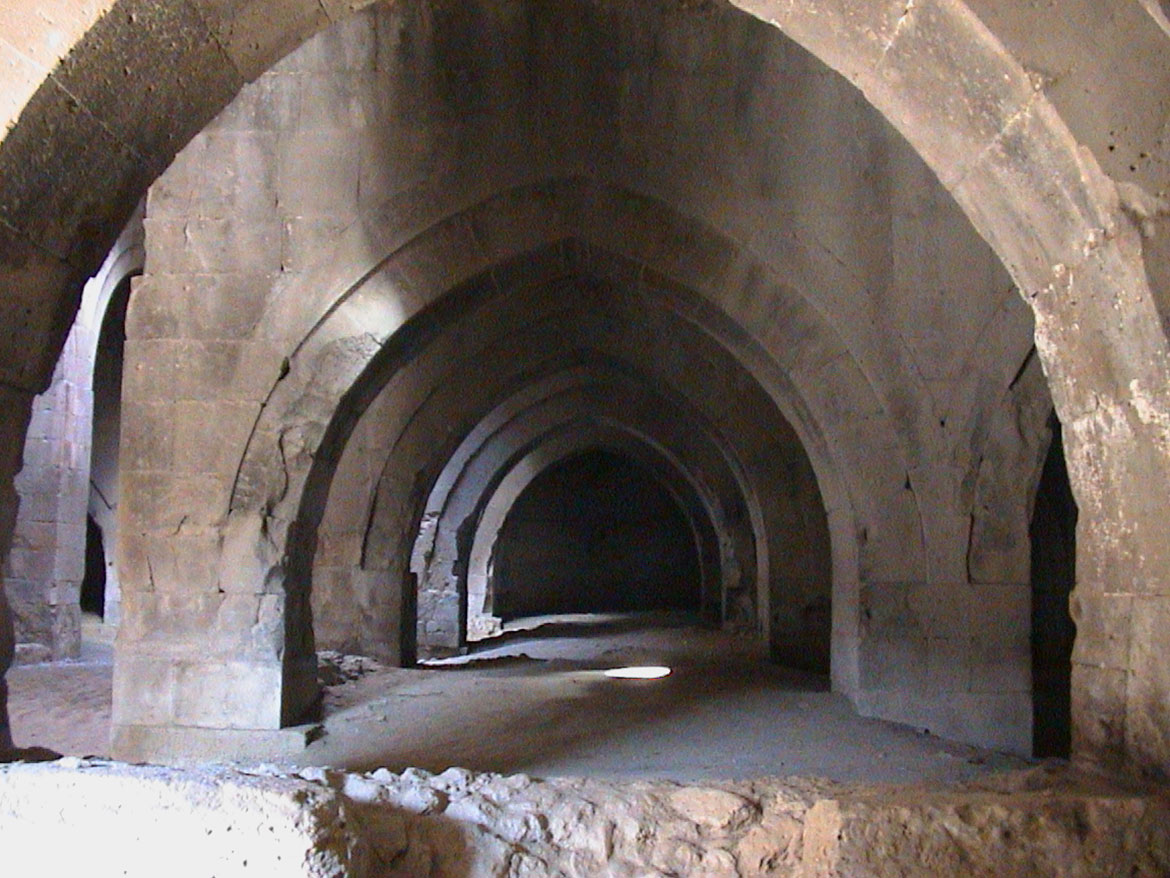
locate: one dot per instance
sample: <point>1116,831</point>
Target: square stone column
<point>46,563</point>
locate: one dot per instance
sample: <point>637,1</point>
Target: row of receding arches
<point>322,440</point>
<point>579,396</point>
<point>69,483</point>
<point>393,566</point>
<point>562,342</point>
<point>567,362</point>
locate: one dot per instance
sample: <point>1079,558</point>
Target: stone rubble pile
<point>335,668</point>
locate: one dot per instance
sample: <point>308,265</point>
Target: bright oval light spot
<point>645,672</point>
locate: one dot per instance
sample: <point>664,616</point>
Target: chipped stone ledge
<point>143,820</point>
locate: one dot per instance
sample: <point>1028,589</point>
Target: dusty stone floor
<point>65,706</point>
<point>536,701</point>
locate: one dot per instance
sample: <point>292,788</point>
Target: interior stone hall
<point>384,383</point>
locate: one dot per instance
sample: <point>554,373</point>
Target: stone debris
<point>337,668</point>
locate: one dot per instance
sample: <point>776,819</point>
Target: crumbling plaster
<point>325,823</point>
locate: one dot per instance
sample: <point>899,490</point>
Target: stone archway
<point>933,69</point>
<point>482,613</point>
<point>601,406</point>
<point>296,441</point>
<point>407,437</point>
<point>68,483</point>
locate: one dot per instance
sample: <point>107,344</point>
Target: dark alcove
<point>595,533</point>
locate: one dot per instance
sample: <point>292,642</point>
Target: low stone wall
<point>75,817</point>
<point>96,818</point>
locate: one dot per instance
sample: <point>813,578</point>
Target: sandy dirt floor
<point>536,701</point>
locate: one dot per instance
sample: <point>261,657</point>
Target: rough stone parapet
<point>328,823</point>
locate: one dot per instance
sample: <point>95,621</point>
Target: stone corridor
<point>384,328</point>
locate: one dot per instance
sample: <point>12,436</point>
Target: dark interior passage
<point>107,406</point>
<point>1053,533</point>
<point>93,586</point>
<point>594,533</point>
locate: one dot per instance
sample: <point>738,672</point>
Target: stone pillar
<point>14,411</point>
<point>45,566</point>
<point>203,664</point>
<point>7,650</point>
<point>947,652</point>
<point>1108,362</point>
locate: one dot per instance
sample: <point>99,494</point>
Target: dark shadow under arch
<point>93,585</point>
<point>594,533</point>
<point>1053,535</point>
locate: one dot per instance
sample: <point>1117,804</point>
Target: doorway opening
<point>93,585</point>
<point>595,533</point>
<point>1053,533</point>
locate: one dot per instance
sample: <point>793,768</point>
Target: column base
<point>186,745</point>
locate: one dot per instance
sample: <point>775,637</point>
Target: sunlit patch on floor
<point>641,672</point>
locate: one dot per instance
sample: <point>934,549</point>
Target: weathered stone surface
<point>44,568</point>
<point>718,809</point>
<point>223,823</point>
<point>322,822</point>
<point>981,835</point>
